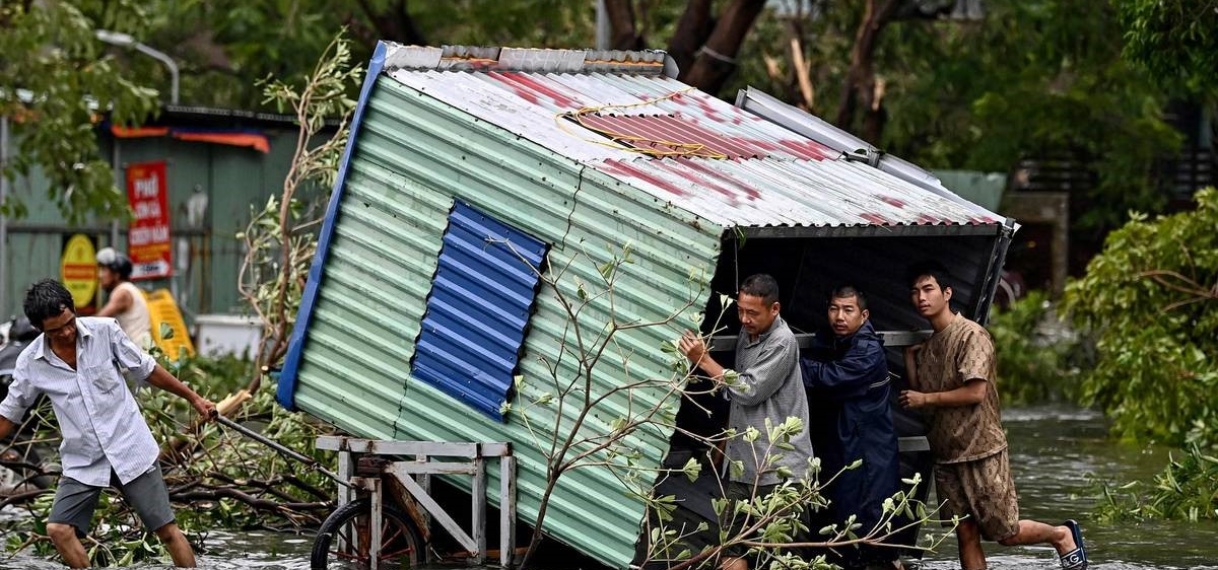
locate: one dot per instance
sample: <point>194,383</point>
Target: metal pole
<point>3,218</point>
<point>168,61</point>
<point>127,40</point>
<point>247,432</point>
<point>602,26</point>
<point>119,183</point>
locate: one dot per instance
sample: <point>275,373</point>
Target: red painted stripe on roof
<point>875,218</point>
<point>628,170</point>
<point>893,201</point>
<point>529,88</point>
<point>686,130</point>
<point>680,130</point>
<point>713,182</point>
<point>750,192</point>
<point>739,147</point>
<point>806,149</point>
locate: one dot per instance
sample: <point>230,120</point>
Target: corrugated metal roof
<point>768,193</point>
<point>794,181</point>
<point>819,130</point>
<point>668,132</point>
<point>479,304</point>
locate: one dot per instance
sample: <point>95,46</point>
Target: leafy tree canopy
<point>1031,79</point>
<point>1040,79</point>
<point>56,82</point>
<point>1177,40</point>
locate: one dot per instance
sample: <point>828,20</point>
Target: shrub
<point>1186,489</point>
<point>1039,358</point>
<point>1151,300</point>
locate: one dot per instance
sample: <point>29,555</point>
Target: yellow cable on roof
<point>668,148</point>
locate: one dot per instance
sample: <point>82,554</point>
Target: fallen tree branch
<point>217,493</point>
<point>262,485</point>
<point>22,498</point>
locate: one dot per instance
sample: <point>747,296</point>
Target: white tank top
<point>135,321</point>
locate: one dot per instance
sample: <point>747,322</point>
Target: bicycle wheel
<point>343,540</point>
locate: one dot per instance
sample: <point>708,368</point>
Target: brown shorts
<point>982,490</point>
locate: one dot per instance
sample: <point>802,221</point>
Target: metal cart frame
<point>412,464</point>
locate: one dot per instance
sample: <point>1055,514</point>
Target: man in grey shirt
<point>78,363</point>
<point>767,386</point>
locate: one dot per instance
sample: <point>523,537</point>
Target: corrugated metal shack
<point>414,324</point>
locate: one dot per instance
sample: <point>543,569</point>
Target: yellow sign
<point>167,318</point>
<point>78,269</point>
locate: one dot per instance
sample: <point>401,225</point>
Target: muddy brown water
<point>1052,451</point>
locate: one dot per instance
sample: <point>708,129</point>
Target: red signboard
<point>148,236</point>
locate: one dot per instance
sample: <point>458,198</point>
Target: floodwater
<point>226,551</point>
<point>1052,452</point>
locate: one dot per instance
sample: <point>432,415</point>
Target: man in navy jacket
<point>846,374</point>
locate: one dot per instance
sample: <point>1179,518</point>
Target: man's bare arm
<point>911,365</point>
<point>120,300</point>
<point>971,394</point>
<point>162,379</point>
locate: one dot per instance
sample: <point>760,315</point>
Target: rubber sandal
<point>1075,559</point>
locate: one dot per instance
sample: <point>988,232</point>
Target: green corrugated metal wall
<point>234,178</point>
<point>413,155</point>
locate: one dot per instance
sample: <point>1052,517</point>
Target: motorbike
<point>22,457</point>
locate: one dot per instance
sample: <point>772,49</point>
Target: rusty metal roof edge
<point>533,60</point>
<point>866,230</point>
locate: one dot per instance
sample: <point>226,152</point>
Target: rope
<point>657,148</point>
<point>716,55</point>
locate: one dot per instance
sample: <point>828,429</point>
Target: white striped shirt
<point>101,424</point>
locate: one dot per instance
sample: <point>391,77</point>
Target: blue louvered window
<point>479,305</point>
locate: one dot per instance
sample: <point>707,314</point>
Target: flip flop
<point>1075,559</point>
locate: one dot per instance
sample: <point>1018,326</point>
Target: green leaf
<point>692,469</point>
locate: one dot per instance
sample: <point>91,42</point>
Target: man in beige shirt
<point>126,303</point>
<point>952,377</point>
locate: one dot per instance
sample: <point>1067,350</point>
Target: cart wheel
<point>344,539</point>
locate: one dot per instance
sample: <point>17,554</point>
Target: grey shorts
<point>146,494</point>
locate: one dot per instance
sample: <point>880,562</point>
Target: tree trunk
<point>716,60</point>
<point>392,22</point>
<point>860,90</point>
<point>875,116</point>
<point>624,34</point>
<point>692,30</point>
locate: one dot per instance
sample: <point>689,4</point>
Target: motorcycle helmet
<point>115,261</point>
<point>22,330</point>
